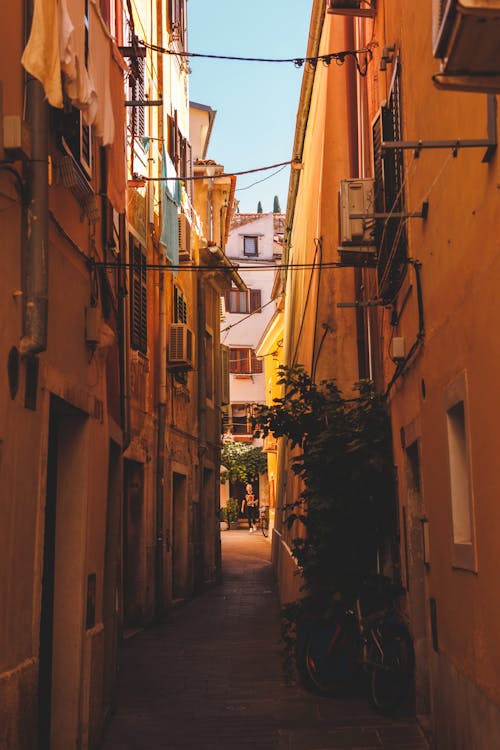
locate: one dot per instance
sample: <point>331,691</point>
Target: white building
<point>255,245</point>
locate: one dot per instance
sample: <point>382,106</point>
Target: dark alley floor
<point>212,678</point>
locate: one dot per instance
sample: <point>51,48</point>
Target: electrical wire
<point>184,178</point>
<point>200,268</point>
<point>249,315</point>
<point>339,57</point>
<point>247,187</point>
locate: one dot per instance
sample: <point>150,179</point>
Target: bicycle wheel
<point>264,525</point>
<point>327,664</point>
<point>391,666</point>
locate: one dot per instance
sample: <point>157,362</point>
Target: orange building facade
<point>110,418</point>
<point>412,134</point>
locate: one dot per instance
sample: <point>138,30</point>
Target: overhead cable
<point>215,176</point>
<point>339,57</point>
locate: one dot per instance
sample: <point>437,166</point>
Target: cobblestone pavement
<point>212,677</point>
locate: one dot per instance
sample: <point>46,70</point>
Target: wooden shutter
<point>255,300</point>
<point>256,364</point>
<point>389,197</point>
<point>138,299</point>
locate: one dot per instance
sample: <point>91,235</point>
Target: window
<point>240,420</point>
<point>243,302</point>
<point>137,115</point>
<point>177,15</point>
<point>389,193</point>
<point>76,138</point>
<point>250,245</point>
<point>460,475</point>
<point>138,298</point>
<point>209,365</point>
<point>243,361</point>
<point>180,306</point>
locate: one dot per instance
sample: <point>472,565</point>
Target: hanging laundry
<point>169,212</point>
<point>41,57</point>
<point>99,71</point>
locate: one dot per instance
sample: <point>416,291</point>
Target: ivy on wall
<point>344,460</point>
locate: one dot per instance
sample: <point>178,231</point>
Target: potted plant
<point>232,512</point>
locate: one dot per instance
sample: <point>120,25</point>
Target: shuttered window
<point>243,302</point>
<point>243,361</point>
<point>389,194</point>
<point>180,306</point>
<point>138,298</point>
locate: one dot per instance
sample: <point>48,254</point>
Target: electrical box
<point>466,37</point>
<point>398,349</point>
<point>180,346</point>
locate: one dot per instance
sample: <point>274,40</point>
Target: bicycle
<point>338,649</point>
<point>264,519</point>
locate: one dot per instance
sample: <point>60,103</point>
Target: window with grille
<point>243,302</point>
<point>180,306</point>
<point>389,193</point>
<point>240,419</point>
<point>138,297</point>
<point>137,93</point>
<point>243,361</point>
<point>250,245</point>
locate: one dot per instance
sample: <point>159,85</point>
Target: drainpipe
<point>160,455</point>
<point>34,339</point>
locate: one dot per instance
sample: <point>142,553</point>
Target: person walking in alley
<point>250,506</point>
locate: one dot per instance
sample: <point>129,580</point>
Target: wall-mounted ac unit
<point>351,7</point>
<point>184,238</point>
<point>180,346</point>
<point>224,382</point>
<point>356,223</point>
<point>466,37</point>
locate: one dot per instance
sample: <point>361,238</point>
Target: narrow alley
<point>212,677</point>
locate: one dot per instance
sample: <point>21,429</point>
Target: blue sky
<point>256,103</point>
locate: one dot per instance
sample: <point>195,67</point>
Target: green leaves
<point>345,463</point>
<point>243,462</point>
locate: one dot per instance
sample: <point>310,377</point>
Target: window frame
<point>138,296</point>
<point>460,474</point>
<point>248,302</point>
<point>255,240</point>
<point>243,361</point>
<point>389,174</point>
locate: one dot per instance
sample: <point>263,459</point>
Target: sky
<point>256,103</point>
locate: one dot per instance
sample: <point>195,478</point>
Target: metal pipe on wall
<point>35,256</point>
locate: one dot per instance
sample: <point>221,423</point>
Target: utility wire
<point>247,187</point>
<point>236,267</point>
<point>215,176</point>
<point>249,315</point>
<point>339,57</point>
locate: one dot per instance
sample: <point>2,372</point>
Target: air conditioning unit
<point>180,346</point>
<point>184,238</point>
<point>352,7</point>
<point>466,37</point>
<point>356,222</point>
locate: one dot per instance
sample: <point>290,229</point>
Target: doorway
<point>133,545</point>
<point>416,575</point>
<point>62,590</point>
<point>180,537</point>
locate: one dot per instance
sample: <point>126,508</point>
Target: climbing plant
<point>243,462</point>
<point>343,456</point>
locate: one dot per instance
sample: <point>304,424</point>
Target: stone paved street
<point>212,678</point>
